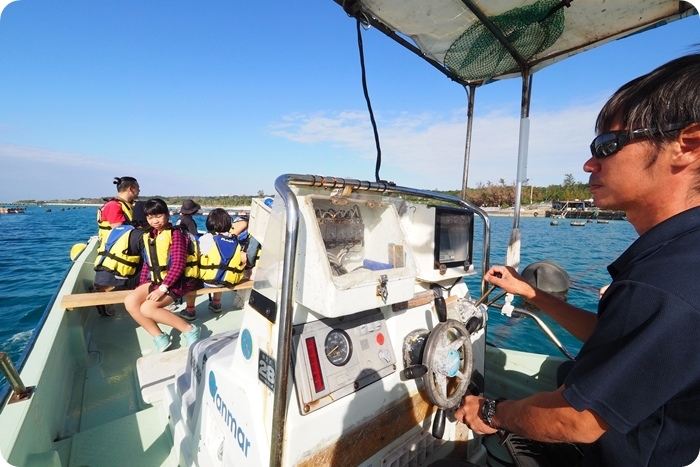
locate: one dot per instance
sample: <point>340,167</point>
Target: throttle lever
<point>440,305</point>
<point>439,424</point>
<point>441,309</point>
<point>414,371</point>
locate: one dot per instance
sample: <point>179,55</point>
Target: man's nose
<point>591,165</point>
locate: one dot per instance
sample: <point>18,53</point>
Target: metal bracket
<point>381,287</point>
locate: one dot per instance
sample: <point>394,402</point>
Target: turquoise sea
<point>35,246</point>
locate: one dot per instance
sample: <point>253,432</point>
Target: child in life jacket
<point>165,278</point>
<point>221,263</point>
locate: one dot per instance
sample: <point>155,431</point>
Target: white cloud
<point>429,148</point>
<point>424,150</point>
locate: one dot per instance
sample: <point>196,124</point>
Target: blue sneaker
<point>162,342</point>
<point>191,336</point>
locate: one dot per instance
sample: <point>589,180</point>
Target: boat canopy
<point>478,42</point>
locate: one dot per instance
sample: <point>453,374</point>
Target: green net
<point>477,54</point>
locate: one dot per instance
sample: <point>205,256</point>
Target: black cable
<point>369,104</point>
<point>448,289</point>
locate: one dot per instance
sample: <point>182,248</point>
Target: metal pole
<point>8,369</point>
<point>284,316</point>
<point>468,143</point>
<point>523,144</point>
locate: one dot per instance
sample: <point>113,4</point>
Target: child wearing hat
<point>188,208</point>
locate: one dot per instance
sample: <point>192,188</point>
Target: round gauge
<point>338,347</point>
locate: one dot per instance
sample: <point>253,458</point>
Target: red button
<point>380,339</point>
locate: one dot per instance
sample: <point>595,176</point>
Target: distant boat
<point>578,223</point>
<point>554,223</point>
<point>12,210</point>
<point>603,221</point>
<point>577,209</point>
<point>48,209</point>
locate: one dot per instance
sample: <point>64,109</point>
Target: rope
<point>369,103</point>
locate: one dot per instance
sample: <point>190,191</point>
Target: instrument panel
<point>336,357</point>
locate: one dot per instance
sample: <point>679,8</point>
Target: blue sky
<point>220,97</point>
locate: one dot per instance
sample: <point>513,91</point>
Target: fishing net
<point>477,54</point>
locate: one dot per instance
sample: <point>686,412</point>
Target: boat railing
<point>543,326</point>
<point>283,185</point>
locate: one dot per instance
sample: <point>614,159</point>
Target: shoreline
<point>524,212</point>
<point>511,212</point>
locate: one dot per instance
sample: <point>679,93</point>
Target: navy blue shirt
<point>640,369</point>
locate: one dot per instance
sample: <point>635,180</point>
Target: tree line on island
<point>499,194</point>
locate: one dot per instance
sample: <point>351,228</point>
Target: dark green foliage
<point>489,194</point>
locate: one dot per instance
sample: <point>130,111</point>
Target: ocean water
<point>35,246</point>
<point>34,258</point>
<point>584,252</point>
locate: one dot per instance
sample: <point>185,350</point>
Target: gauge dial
<point>338,347</point>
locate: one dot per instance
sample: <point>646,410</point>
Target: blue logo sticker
<point>212,384</point>
<point>247,344</point>
<point>452,363</point>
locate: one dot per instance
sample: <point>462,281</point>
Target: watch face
<point>488,411</point>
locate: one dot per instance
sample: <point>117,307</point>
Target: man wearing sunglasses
<point>633,395</point>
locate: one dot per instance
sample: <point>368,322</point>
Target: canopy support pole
<point>523,143</point>
<point>468,143</point>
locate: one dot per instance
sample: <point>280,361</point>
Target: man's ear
<point>687,145</point>
<point>690,137</point>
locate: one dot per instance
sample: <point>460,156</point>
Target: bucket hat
<point>189,207</point>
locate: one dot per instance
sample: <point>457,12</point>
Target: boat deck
<point>121,388</point>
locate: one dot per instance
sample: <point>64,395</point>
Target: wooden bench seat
<point>78,300</point>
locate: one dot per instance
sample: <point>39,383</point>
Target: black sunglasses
<point>607,144</point>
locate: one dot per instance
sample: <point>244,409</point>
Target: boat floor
<point>115,416</point>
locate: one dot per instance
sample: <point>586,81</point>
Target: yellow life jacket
<point>103,226</point>
<point>223,263</point>
<point>115,255</point>
<point>157,254</point>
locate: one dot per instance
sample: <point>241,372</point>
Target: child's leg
<point>134,303</point>
<point>189,313</point>
<point>215,304</point>
<point>190,298</point>
<point>154,310</point>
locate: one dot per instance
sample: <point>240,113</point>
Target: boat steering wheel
<point>448,359</point>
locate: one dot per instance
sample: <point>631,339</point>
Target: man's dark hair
<point>124,183</point>
<point>667,96</point>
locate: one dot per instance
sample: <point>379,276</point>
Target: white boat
<point>358,336</point>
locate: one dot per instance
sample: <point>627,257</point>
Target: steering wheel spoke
<point>457,343</point>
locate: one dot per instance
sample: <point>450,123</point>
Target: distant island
<point>235,200</point>
<point>498,194</point>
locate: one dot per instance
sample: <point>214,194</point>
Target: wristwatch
<point>488,411</point>
<point>163,288</point>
